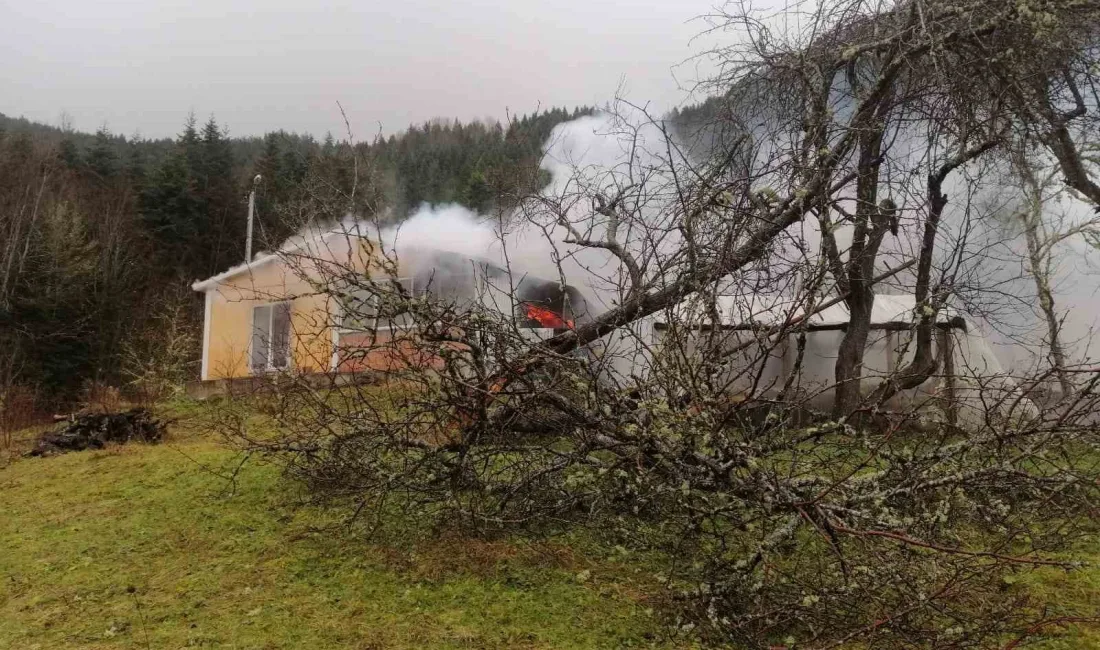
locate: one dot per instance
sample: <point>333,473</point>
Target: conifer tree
<point>102,159</point>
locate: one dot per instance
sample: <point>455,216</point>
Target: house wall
<point>317,342</point>
<point>978,383</point>
<point>229,330</point>
<point>384,350</point>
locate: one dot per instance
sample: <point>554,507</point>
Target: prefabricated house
<point>285,311</point>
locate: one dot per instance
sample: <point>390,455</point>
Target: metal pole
<point>251,212</point>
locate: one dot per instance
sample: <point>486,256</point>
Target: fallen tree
<point>777,523</point>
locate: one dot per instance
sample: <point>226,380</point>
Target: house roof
<point>296,245</point>
<point>768,311</point>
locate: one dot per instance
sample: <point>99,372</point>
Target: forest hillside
<point>101,234</point>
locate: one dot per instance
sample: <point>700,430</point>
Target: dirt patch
<point>453,555</point>
<point>96,430</point>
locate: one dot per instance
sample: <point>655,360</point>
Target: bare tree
<point>1044,232</point>
<point>673,404</point>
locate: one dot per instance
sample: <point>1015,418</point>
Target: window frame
<point>473,279</point>
<point>269,366</point>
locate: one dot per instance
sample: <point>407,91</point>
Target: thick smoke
<point>584,148</point>
<point>449,227</point>
<point>593,154</point>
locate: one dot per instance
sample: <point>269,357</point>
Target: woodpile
<point>95,430</point>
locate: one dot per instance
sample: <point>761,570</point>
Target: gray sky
<point>259,66</point>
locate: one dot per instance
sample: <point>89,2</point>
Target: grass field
<point>144,547</point>
<point>151,547</point>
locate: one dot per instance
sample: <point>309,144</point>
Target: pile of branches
<point>97,430</point>
<point>774,530</point>
<point>860,508</point>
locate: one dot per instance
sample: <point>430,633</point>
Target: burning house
<point>313,308</point>
<point>295,311</point>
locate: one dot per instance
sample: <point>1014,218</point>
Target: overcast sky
<point>259,66</point>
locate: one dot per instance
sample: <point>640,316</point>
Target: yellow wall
<point>229,327</point>
<point>229,305</point>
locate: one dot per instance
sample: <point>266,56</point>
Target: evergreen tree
<point>172,207</point>
<point>224,220</point>
<point>102,159</point>
<point>69,154</point>
<point>136,165</point>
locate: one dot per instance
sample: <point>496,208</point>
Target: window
<point>362,311</point>
<point>458,289</point>
<point>358,311</point>
<point>393,313</point>
<point>270,337</point>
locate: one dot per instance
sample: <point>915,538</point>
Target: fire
<point>546,317</point>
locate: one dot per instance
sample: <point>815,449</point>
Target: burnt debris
<point>95,430</point>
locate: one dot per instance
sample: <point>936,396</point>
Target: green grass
<point>141,546</point>
<point>1075,593</point>
<point>151,547</point>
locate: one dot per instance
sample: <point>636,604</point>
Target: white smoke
<point>517,247</point>
<point>448,227</point>
<point>595,153</point>
<point>582,148</point>
<point>591,153</point>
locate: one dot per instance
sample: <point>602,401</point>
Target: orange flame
<point>546,317</point>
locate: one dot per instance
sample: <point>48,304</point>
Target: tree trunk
<point>1040,272</point>
<point>924,362</point>
<point>849,360</point>
<point>871,224</point>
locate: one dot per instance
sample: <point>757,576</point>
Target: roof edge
<point>213,281</point>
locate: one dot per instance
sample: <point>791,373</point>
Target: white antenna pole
<point>251,212</point>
